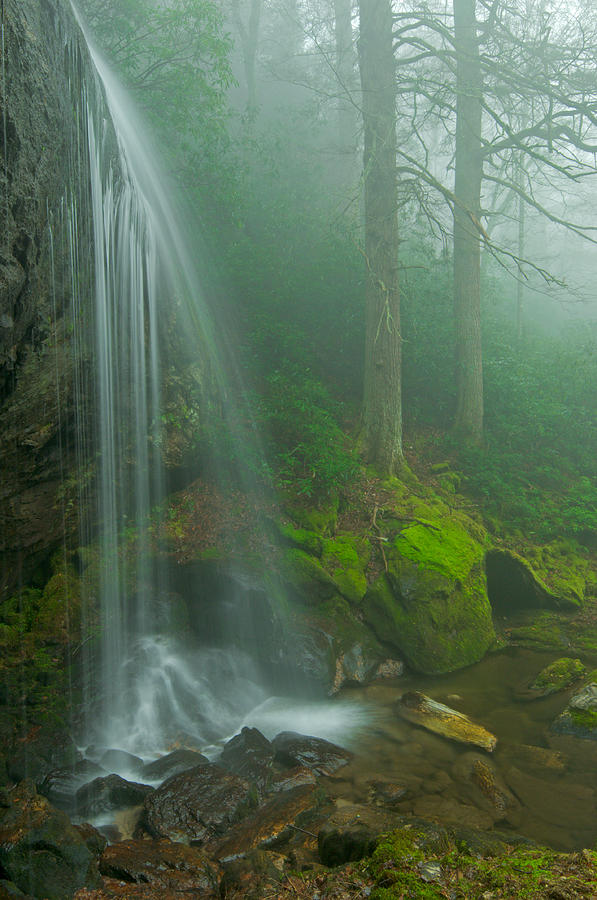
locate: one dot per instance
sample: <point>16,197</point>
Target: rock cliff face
<point>44,227</point>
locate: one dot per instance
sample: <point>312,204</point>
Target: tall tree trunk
<point>467,249</point>
<point>249,39</point>
<point>345,75</point>
<point>382,405</point>
<point>520,251</point>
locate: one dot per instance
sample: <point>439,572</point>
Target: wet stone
<point>268,826</point>
<point>60,786</point>
<point>250,755</point>
<point>121,761</point>
<point>292,778</point>
<point>40,851</point>
<point>196,805</point>
<point>323,757</point>
<point>109,793</point>
<point>162,864</point>
<point>172,764</point>
<point>445,721</point>
<point>579,719</point>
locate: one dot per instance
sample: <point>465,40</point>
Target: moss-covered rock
<point>437,623</point>
<point>345,558</point>
<point>558,675</point>
<point>306,540</point>
<point>305,576</point>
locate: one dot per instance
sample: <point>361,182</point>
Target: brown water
<point>551,790</point>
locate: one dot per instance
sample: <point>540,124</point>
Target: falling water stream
<point>154,689</point>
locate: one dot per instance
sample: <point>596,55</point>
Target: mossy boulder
<point>303,538</point>
<point>432,603</point>
<point>345,558</point>
<point>579,719</point>
<point>558,675</point>
<point>305,576</point>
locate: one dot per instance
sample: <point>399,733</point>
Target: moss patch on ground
<point>423,862</point>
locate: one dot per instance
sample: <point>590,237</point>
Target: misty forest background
<point>450,147</point>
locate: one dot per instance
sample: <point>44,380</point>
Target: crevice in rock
<point>511,584</point>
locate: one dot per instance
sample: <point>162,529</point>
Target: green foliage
<point>174,55</point>
<point>36,629</point>
<point>310,452</point>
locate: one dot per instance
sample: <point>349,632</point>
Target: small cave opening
<point>511,585</point>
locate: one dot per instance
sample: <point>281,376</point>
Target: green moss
<point>584,718</point>
<point>321,519</point>
<point>305,576</point>
<point>440,544</point>
<point>305,540</point>
<point>543,631</point>
<point>345,558</point>
<point>558,675</point>
<point>438,625</point>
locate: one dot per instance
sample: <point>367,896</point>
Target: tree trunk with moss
<point>382,404</point>
<point>467,210</point>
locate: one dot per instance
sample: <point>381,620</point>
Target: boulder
<point>292,778</point>
<point>172,764</point>
<point>322,757</point>
<point>164,864</point>
<point>197,804</point>
<point>268,826</point>
<point>49,751</point>
<point>557,676</point>
<point>109,793</point>
<point>449,723</point>
<point>579,719</point>
<point>40,851</point>
<point>431,604</point>
<point>250,755</point>
<point>61,785</point>
<point>121,761</point>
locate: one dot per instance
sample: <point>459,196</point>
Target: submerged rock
<point>164,864</point>
<point>197,804</point>
<point>323,757</point>
<point>449,723</point>
<point>40,851</point>
<point>579,719</point>
<point>172,764</point>
<point>109,793</point>
<point>557,676</point>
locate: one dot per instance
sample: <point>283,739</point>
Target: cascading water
<point>152,690</point>
<point>149,688</point>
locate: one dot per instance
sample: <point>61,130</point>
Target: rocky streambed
<point>491,762</point>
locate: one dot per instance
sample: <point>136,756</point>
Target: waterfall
<point>148,690</point>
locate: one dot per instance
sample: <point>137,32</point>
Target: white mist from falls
<point>150,689</point>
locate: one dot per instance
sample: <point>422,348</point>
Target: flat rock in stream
<point>322,757</point>
<point>197,804</point>
<point>449,723</point>
<point>162,864</point>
